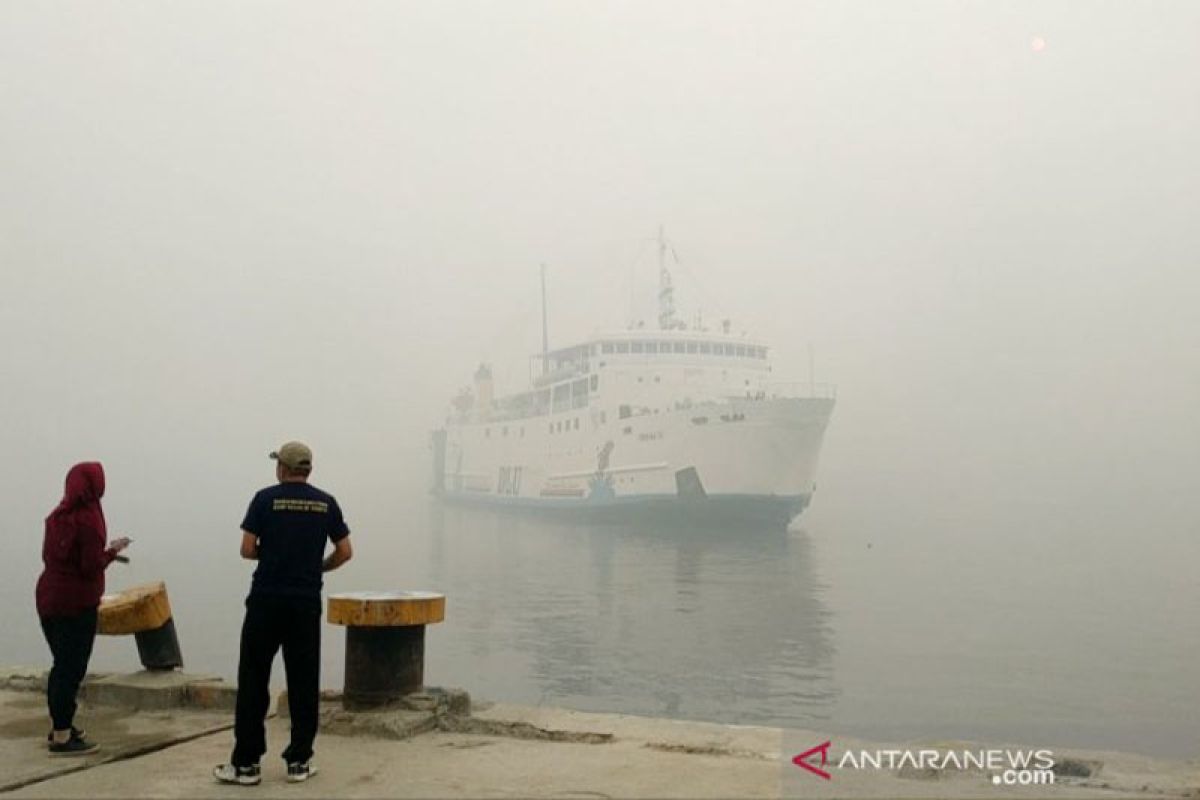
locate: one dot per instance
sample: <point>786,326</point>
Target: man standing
<point>285,530</point>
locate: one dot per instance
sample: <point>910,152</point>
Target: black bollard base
<point>382,664</point>
<point>159,649</point>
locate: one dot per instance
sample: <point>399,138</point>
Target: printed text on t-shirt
<point>292,504</point>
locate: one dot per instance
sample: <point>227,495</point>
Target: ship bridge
<point>637,344</point>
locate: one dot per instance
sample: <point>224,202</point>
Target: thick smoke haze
<point>224,225</point>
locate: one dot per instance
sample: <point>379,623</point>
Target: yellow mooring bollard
<point>145,612</point>
<point>385,642</point>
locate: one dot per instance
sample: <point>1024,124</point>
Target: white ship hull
<point>733,461</point>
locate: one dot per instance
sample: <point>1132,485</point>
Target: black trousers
<point>293,623</point>
<point>70,639</point>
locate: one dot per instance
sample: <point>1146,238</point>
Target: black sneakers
<point>75,745</point>
<point>74,732</point>
<point>244,776</point>
<point>300,771</point>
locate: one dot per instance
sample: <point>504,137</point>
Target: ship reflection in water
<point>727,626</point>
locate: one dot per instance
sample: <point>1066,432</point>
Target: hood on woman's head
<point>85,484</point>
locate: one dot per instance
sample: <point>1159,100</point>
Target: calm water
<point>890,634</point>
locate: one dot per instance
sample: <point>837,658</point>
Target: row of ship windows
<point>704,348</point>
<point>564,425</point>
<point>562,397</point>
<point>561,426</point>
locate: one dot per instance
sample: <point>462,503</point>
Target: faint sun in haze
<point>1037,44</point>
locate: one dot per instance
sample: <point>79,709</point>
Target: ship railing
<point>811,389</point>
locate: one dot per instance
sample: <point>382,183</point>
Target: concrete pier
<point>437,744</point>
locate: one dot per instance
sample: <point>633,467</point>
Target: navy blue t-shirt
<point>292,521</point>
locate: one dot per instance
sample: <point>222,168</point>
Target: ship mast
<point>666,292</point>
<point>545,333</point>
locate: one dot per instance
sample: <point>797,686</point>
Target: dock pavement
<point>163,734</point>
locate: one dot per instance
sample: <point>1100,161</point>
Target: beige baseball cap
<point>294,455</point>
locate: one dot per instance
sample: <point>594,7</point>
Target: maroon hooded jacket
<point>74,551</point>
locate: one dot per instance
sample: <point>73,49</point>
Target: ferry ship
<point>672,423</point>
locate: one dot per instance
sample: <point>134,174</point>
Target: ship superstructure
<point>671,422</point>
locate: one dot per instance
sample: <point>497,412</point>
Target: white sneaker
<point>243,776</point>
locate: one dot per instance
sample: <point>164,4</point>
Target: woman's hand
<point>117,545</point>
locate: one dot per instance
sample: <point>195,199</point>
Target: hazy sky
<point>227,224</point>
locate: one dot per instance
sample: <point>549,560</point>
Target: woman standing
<point>75,556</point>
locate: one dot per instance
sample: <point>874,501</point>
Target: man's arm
<point>342,553</point>
<point>249,545</point>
